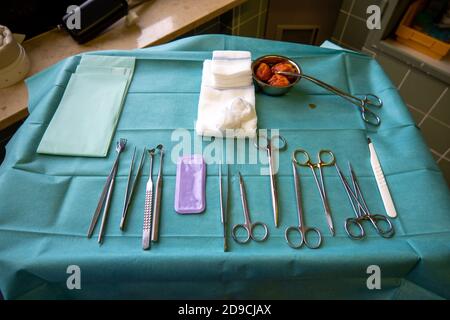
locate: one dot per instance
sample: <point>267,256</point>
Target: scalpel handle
<point>146,232</point>
<point>381,183</point>
<point>157,210</point>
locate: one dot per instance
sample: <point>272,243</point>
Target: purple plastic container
<point>190,185</point>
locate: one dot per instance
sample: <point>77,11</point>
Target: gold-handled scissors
<point>248,226</point>
<point>301,229</point>
<point>325,159</point>
<point>269,147</point>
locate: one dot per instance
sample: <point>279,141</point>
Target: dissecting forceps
<point>224,205</point>
<point>105,197</point>
<point>130,190</point>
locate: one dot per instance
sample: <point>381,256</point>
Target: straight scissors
<point>269,147</point>
<point>248,226</point>
<point>322,162</point>
<point>301,229</point>
<point>361,210</point>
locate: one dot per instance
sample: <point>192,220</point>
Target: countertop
<point>159,21</point>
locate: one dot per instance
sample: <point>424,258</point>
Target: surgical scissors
<point>269,147</point>
<point>369,100</point>
<point>248,226</point>
<point>322,162</point>
<point>301,229</point>
<point>361,210</point>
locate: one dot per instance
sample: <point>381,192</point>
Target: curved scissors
<point>248,226</point>
<point>322,162</point>
<point>301,229</point>
<point>361,211</point>
<point>269,147</point>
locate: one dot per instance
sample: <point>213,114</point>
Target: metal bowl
<point>267,88</point>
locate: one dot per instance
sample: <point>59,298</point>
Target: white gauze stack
<point>227,96</point>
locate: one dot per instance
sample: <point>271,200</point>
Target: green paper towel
<point>84,122</point>
<point>86,118</point>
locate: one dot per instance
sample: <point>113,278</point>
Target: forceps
<point>248,226</point>
<point>269,147</point>
<point>320,183</point>
<point>224,205</point>
<point>301,229</point>
<point>129,192</point>
<point>361,210</point>
<point>105,197</point>
<point>369,100</point>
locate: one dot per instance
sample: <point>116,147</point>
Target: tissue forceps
<point>105,196</point>
<point>248,226</point>
<point>130,190</point>
<point>369,100</point>
<point>320,183</point>
<point>361,210</point>
<point>301,229</point>
<point>269,147</point>
<point>224,205</point>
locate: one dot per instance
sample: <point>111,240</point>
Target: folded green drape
<point>87,115</point>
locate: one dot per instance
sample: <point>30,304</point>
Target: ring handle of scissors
<point>291,244</point>
<point>372,100</point>
<point>252,233</point>
<point>387,232</point>
<point>249,229</point>
<point>306,159</point>
<point>370,117</point>
<point>314,245</point>
<point>282,144</point>
<point>356,222</point>
<point>235,229</point>
<point>303,237</point>
<point>323,161</point>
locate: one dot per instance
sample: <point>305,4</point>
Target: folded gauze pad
<point>227,102</point>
